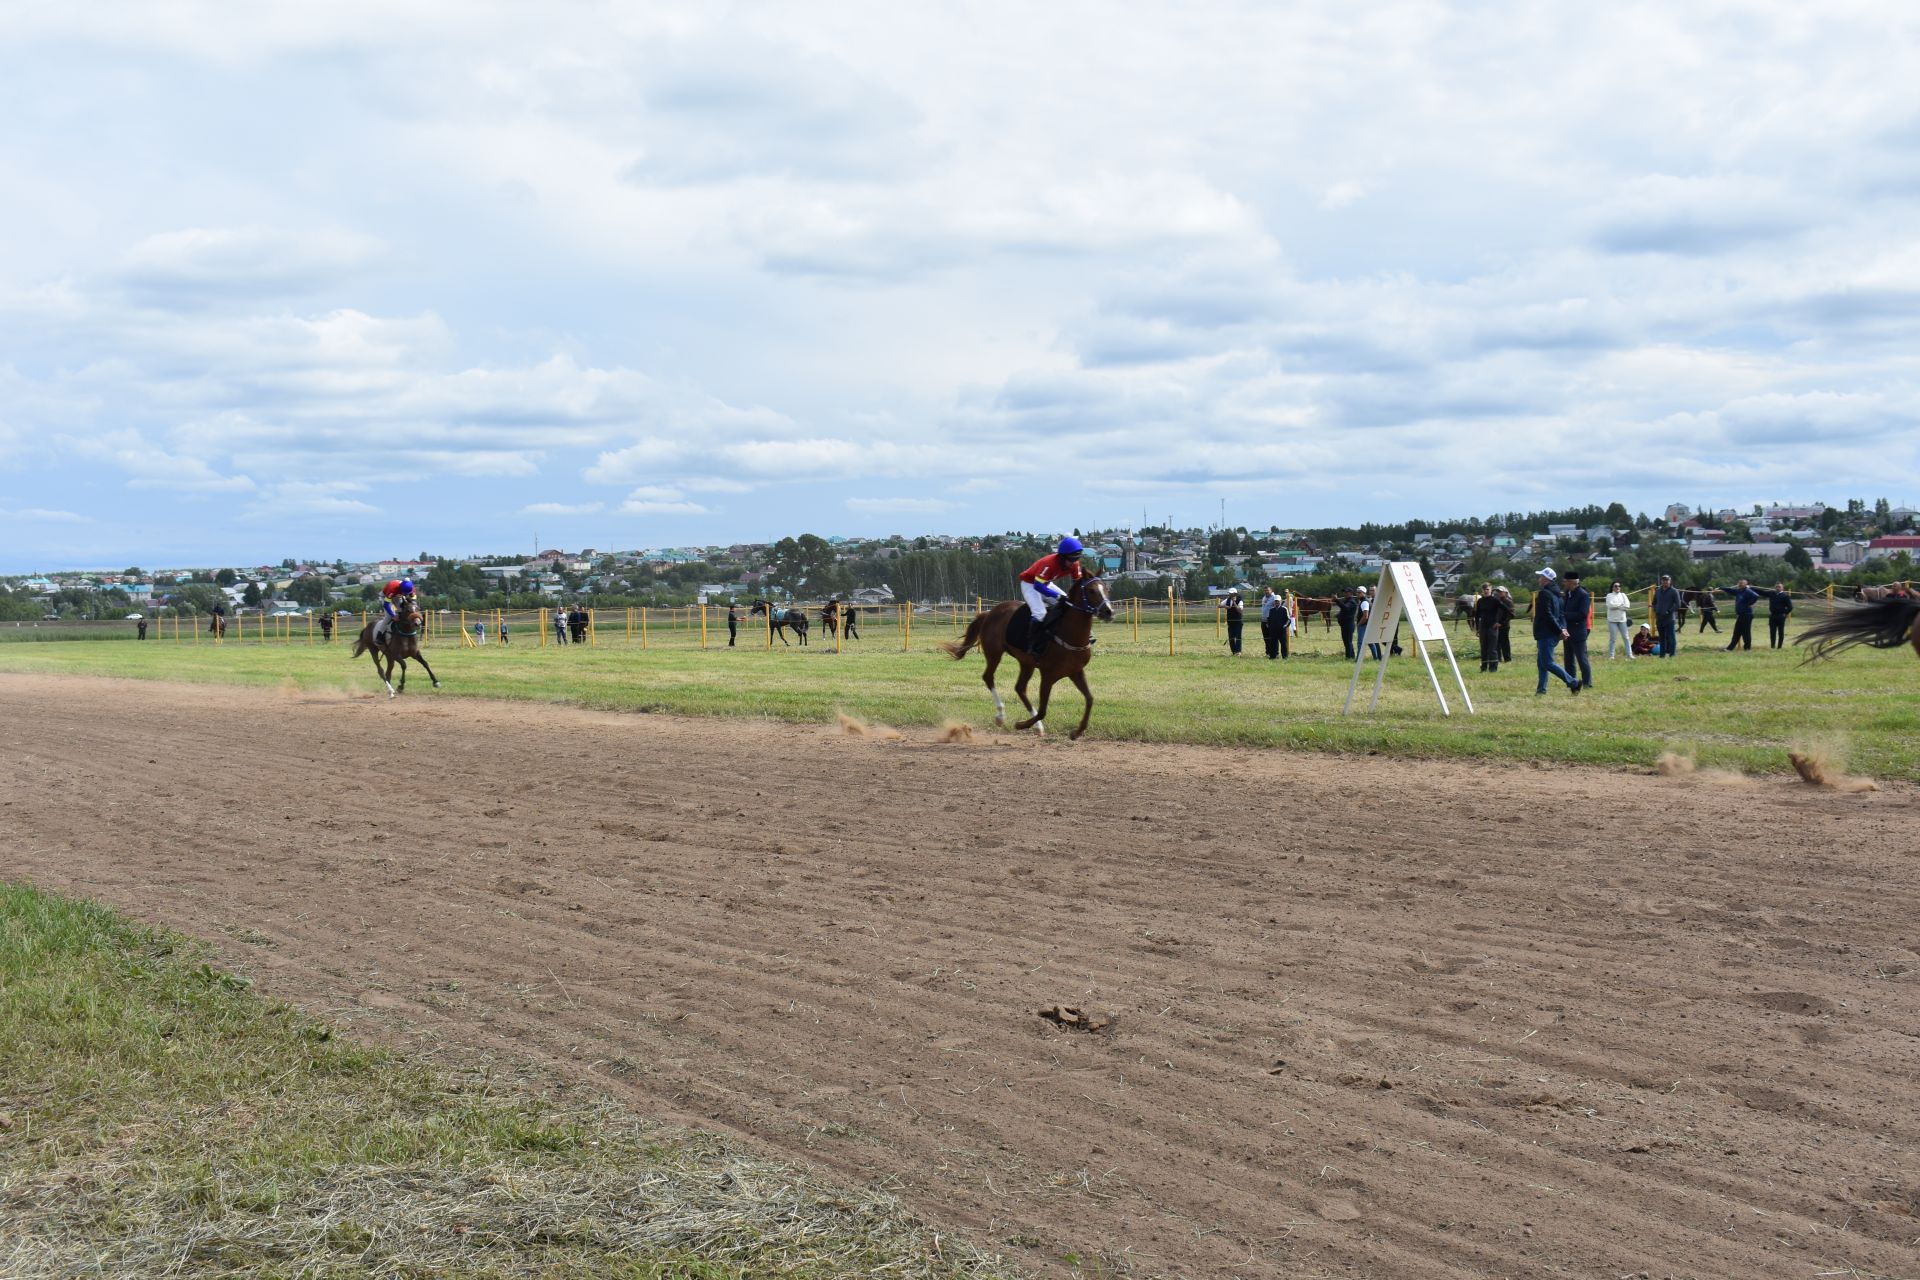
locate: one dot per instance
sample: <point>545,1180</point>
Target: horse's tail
<point>360,645</point>
<point>1887,624</point>
<point>958,649</point>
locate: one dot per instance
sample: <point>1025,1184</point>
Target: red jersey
<point>391,589</point>
<point>1049,567</point>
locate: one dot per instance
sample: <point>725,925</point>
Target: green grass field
<point>1732,710</point>
<point>158,1118</point>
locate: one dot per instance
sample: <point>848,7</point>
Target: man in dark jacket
<point>1744,598</point>
<point>1275,622</point>
<point>1549,630</point>
<point>1666,614</point>
<point>1490,611</point>
<point>1779,605</point>
<point>1579,607</point>
<point>1236,612</point>
<point>1347,612</point>
<point>733,624</point>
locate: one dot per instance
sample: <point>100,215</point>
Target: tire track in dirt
<point>1384,1027</point>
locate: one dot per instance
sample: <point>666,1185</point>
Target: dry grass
<point>158,1119</point>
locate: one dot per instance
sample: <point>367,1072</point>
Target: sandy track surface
<point>1369,1017</point>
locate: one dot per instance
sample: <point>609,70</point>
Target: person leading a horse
<point>1042,597</point>
<point>398,589</point>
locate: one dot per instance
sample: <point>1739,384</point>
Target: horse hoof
<point>1000,721</point>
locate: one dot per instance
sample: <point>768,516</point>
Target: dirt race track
<point>1370,1017</point>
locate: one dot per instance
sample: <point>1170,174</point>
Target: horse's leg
<point>1079,679</point>
<point>1038,720</point>
<point>1020,686</point>
<point>403,672</point>
<point>993,664</point>
<point>422,660</point>
<point>386,677</point>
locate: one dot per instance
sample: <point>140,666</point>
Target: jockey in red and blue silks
<point>1038,590</point>
<point>398,589</point>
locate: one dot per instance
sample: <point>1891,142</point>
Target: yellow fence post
<point>1169,622</point>
<point>540,620</point>
<point>906,625</point>
<point>703,624</point>
<point>643,625</point>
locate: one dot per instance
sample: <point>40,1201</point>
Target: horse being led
<point>1884,624</point>
<point>1066,656</point>
<point>401,644</point>
<point>782,619</point>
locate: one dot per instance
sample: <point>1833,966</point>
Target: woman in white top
<point>1619,605</point>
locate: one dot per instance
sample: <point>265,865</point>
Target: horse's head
<point>1091,594</point>
<point>759,606</point>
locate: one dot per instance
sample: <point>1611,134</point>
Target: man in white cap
<point>1549,631</point>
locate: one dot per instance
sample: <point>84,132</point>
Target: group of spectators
<point>1669,603</point>
<point>570,625</point>
<point>1276,623</point>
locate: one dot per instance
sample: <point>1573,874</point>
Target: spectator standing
<point>503,631</point>
<point>1491,615</point>
<point>1506,624</point>
<point>1619,615</point>
<point>1709,611</point>
<point>559,626</point>
<point>479,632</point>
<point>1779,605</point>
<point>1276,622</point>
<point>733,624</point>
<point>326,627</point>
<point>1579,617</point>
<point>141,627</point>
<point>1549,631</point>
<point>850,622</point>
<point>1744,598</point>
<point>1666,615</point>
<point>1236,619</point>
<point>1347,613</point>
<point>1366,619</point>
<point>577,621</point>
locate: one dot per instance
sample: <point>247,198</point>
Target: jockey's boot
<point>1041,632</point>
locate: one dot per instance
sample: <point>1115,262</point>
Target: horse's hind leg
<point>999,707</point>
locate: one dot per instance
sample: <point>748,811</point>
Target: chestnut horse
<point>1306,606</point>
<point>1068,651</point>
<point>400,645</point>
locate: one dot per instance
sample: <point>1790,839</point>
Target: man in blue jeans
<point>1549,630</point>
<point>1666,613</point>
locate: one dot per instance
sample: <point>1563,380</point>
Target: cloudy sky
<point>369,278</point>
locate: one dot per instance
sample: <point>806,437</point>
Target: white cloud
<point>882,506</point>
<point>562,508</point>
<point>42,515</point>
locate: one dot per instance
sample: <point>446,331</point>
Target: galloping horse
<point>1065,657</point>
<point>782,619</point>
<point>1463,607</point>
<point>1884,624</point>
<point>400,645</point>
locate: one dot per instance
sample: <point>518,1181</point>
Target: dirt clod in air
<point>1670,765</point>
<point>954,731</point>
<point>855,727</point>
<point>1816,769</point>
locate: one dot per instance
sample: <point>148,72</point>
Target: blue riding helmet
<point>406,585</point>
<point>1070,546</point>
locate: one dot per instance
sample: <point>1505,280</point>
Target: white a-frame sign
<point>1403,590</point>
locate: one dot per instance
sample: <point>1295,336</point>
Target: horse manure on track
<point>1074,1018</point>
<point>1816,769</point>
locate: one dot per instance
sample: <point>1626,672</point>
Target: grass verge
<point>159,1119</point>
<point>1741,711</point>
